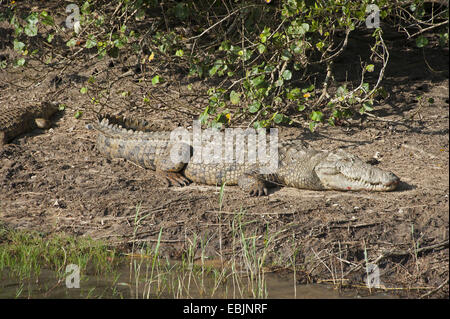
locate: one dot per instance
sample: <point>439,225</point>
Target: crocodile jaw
<point>343,171</point>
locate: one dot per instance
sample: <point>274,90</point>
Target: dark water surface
<point>122,285</point>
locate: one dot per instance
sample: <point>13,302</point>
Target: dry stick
<point>355,226</point>
<point>383,120</point>
<point>400,253</point>
<point>218,22</point>
<point>337,53</point>
<point>418,21</point>
<point>325,83</point>
<point>428,28</point>
<point>320,259</point>
<point>435,290</point>
<point>258,214</point>
<point>385,58</point>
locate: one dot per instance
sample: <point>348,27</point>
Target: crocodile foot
<point>259,189</point>
<point>253,185</point>
<point>173,178</point>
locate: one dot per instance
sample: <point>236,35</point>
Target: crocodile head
<point>342,171</point>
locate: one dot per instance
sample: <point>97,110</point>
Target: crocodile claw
<point>174,179</point>
<point>259,190</point>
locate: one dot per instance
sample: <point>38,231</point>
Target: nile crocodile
<point>17,121</point>
<point>299,165</point>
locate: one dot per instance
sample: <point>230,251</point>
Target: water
<point>172,285</point>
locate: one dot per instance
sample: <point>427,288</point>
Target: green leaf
<point>216,125</point>
<point>421,41</point>
<point>305,27</point>
<point>18,46</point>
<point>179,53</point>
<point>287,75</point>
<point>71,43</point>
<point>279,82</point>
<point>213,70</point>
<point>254,107</point>
<point>78,114</point>
<point>31,30</point>
<point>225,46</point>
<point>204,117</point>
<point>257,125</point>
<point>156,79</point>
<point>320,45</point>
<point>235,97</point>
<point>278,118</point>
<point>370,68</point>
<point>181,11</point>
<point>258,80</point>
<point>316,116</point>
<point>368,106</point>
<point>19,62</point>
<point>293,94</point>
<point>261,48</point>
<point>90,42</point>
<point>365,86</point>
<point>32,19</point>
<point>341,91</point>
<point>443,39</point>
<point>46,18</point>
<point>286,55</point>
<point>50,37</point>
<point>85,8</point>
<point>120,43</point>
<point>264,35</point>
<point>331,121</point>
<point>245,54</point>
<point>263,38</point>
<point>83,90</point>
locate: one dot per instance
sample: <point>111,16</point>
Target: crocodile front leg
<point>256,184</point>
<point>171,163</point>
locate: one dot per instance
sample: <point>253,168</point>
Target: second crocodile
<point>17,121</point>
<point>298,165</point>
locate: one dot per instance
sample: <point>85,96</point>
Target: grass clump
<point>24,253</point>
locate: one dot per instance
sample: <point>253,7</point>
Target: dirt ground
<point>55,180</point>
